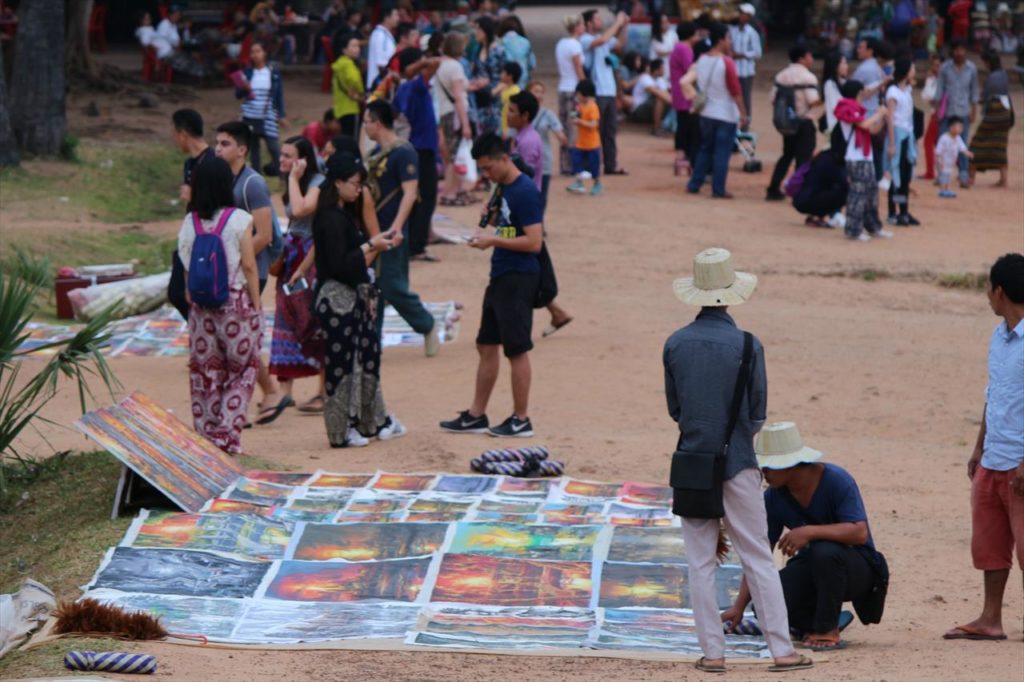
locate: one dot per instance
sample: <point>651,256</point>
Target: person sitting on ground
<point>627,73</point>
<point>319,133</point>
<point>832,554</point>
<point>651,97</point>
<point>822,195</point>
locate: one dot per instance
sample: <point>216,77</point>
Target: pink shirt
<point>679,62</point>
<point>531,149</point>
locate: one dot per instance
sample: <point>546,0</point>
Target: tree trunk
<point>8,147</point>
<point>78,52</point>
<point>38,83</point>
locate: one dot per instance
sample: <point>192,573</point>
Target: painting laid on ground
<point>438,560</point>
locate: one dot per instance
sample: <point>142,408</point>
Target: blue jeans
<point>961,161</point>
<point>717,139</point>
<point>393,282</point>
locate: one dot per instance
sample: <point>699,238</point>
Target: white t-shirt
<point>378,53</point>
<point>231,236</point>
<point>948,150</point>
<point>565,50</point>
<point>832,97</point>
<point>903,114</point>
<point>448,73</point>
<point>640,94</point>
<point>661,49</point>
<point>169,32</point>
<point>853,150</point>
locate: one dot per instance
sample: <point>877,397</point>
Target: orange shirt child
<point>588,137</point>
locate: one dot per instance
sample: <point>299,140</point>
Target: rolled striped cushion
<point>110,661</point>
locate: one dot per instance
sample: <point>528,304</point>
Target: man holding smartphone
<point>507,320</point>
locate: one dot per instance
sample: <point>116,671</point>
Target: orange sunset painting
<point>660,586</point>
<point>399,580</point>
<point>369,541</point>
<point>476,579</point>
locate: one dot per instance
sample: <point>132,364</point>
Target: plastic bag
<point>136,296</point>
<point>464,163</point>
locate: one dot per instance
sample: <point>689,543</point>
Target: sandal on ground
<point>459,200</point>
<point>269,414</point>
<point>554,327</point>
<point>824,643</point>
<point>704,667</point>
<point>469,198</point>
<point>803,664</point>
<point>314,405</point>
<point>973,634</point>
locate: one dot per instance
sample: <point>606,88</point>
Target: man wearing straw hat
<point>703,364</point>
<point>833,557</point>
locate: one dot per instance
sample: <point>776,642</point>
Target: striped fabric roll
<point>550,468</point>
<point>110,661</point>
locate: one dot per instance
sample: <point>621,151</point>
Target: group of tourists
<point>812,511</point>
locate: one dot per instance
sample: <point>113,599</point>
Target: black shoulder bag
<point>870,606</point>
<point>697,477</point>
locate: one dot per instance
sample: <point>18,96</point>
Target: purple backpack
<point>796,180</point>
<point>208,267</point>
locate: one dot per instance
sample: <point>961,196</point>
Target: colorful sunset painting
<point>399,580</point>
<point>478,579</point>
<point>369,541</point>
<point>564,543</point>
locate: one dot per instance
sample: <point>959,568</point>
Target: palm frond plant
<point>78,359</point>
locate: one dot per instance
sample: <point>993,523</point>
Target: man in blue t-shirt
<point>832,555</point>
<point>507,319</point>
<point>414,101</point>
<point>394,171</point>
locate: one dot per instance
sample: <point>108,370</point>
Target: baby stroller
<point>746,144</point>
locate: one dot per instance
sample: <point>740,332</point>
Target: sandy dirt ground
<point>885,375</point>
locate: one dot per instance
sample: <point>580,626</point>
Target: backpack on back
<point>208,280</point>
<point>784,116</point>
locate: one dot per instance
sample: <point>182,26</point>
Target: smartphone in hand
<point>295,287</point>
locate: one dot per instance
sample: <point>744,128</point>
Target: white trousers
<point>747,524</point>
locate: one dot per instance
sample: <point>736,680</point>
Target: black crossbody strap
<point>741,387</point>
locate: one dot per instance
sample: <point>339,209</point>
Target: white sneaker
<point>432,341</point>
<point>354,439</point>
<point>862,237</point>
<point>884,234</point>
<point>395,429</point>
<point>837,221</point>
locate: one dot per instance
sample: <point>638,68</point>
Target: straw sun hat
<point>714,281</point>
<point>779,446</point>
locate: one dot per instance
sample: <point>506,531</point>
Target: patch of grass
<point>974,281</point>
<point>150,253</point>
<point>116,183</point>
<point>55,522</point>
<point>48,660</point>
<point>871,275</point>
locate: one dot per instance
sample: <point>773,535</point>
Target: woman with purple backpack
<point>225,318</point>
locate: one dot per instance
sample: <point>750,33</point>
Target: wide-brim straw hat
<point>714,281</point>
<point>779,446</point>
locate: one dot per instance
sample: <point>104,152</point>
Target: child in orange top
<point>586,155</point>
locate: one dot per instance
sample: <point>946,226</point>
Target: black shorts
<point>507,318</point>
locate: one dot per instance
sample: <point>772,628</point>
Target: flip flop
<point>967,632</point>
<point>819,643</point>
<point>314,405</point>
<point>552,328</point>
<point>269,414</point>
<point>803,664</point>
<point>704,667</point>
<point>845,619</point>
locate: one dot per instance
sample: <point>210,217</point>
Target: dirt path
<point>885,376</point>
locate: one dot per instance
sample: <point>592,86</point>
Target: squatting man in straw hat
<point>833,557</point>
<point>702,365</point>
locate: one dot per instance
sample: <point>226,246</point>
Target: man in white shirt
<point>746,50</point>
<point>798,146</point>
<point>382,45</point>
<point>650,97</point>
<point>167,38</point>
<point>598,45</point>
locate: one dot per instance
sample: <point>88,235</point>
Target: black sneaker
<point>912,221</point>
<point>774,195</point>
<point>903,220</point>
<point>467,423</point>
<point>513,427</point>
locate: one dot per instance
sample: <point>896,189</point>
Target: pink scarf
<point>851,111</point>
